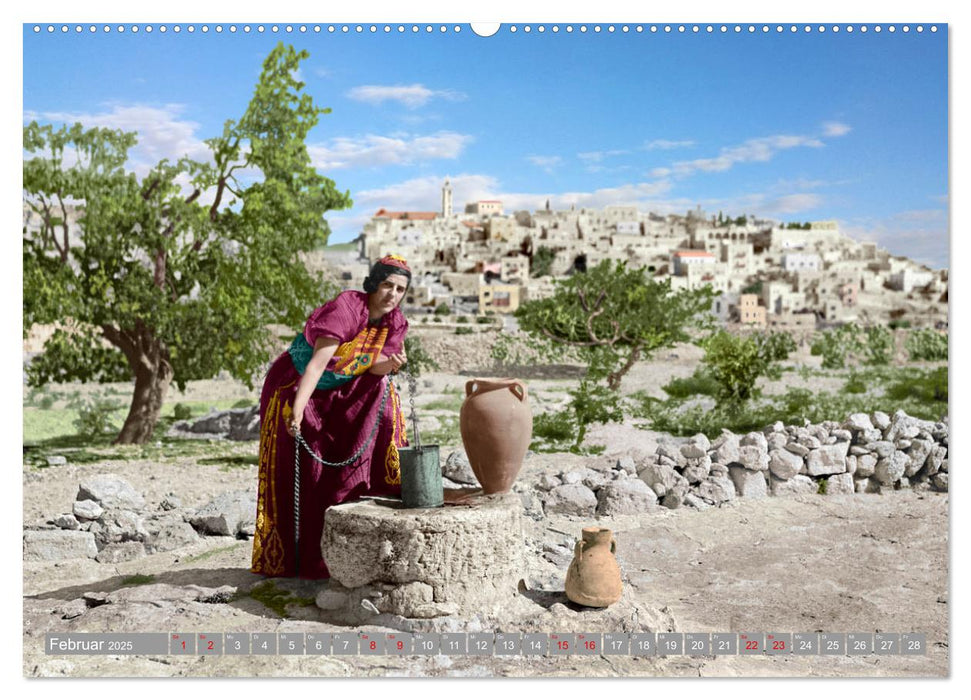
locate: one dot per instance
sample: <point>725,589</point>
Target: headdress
<point>384,268</point>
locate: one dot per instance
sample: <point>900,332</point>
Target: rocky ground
<point>848,562</point>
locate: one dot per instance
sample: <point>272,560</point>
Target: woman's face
<point>388,296</point>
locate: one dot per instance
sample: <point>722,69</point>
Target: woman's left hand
<point>397,360</point>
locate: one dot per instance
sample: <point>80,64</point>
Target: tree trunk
<point>151,384</point>
<point>613,379</point>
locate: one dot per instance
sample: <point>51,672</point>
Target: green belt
<point>301,351</point>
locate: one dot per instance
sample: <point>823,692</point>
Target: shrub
<point>700,383</point>
<point>736,362</point>
<point>855,384</point>
<point>182,411</point>
<point>926,344</point>
<point>462,319</point>
<point>418,359</point>
<point>94,416</point>
<point>464,331</point>
<point>443,309</point>
<point>483,319</point>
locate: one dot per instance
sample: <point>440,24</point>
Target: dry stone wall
<point>865,453</point>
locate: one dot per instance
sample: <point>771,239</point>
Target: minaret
<point>446,199</point>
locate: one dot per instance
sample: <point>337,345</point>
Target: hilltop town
<point>766,274</point>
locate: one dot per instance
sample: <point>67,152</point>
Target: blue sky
<point>793,126</point>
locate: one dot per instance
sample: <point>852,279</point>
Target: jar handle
<point>471,387</point>
<point>613,545</point>
<point>518,390</point>
<point>578,550</point>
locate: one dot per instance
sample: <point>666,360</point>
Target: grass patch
<point>919,393</point>
<point>231,462</point>
<point>453,403</point>
<point>448,433</point>
<point>277,599</point>
<point>701,383</point>
<point>138,580</point>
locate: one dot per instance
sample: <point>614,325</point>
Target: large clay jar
<point>496,425</point>
<point>593,578</point>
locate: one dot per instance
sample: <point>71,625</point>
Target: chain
<point>300,442</point>
<point>353,458</point>
<point>412,390</point>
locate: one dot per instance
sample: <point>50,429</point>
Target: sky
<point>793,126</point>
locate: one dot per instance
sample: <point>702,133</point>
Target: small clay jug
<point>497,425</point>
<point>593,578</point>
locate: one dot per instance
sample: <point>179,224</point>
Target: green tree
<point>614,316</point>
<point>542,261</point>
<point>870,345</point>
<point>736,362</point>
<point>161,283</point>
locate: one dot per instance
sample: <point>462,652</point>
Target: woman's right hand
<point>293,426</point>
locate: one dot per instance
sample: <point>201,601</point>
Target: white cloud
<point>921,235</point>
<point>836,129</point>
<point>666,145</point>
<point>161,131</point>
<point>412,96</point>
<point>754,150</point>
<point>374,151</point>
<point>547,163</point>
<point>599,156</point>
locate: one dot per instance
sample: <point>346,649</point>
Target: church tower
<point>446,199</point>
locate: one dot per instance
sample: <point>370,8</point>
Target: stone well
<point>424,562</point>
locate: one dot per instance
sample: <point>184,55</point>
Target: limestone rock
<point>697,469</point>
<point>754,439</point>
<point>858,422</point>
<point>748,483</point>
<point>702,441</point>
<point>797,449</point>
<point>226,513</point>
<point>839,484</point>
<point>571,499</point>
<point>663,479</point>
<point>939,481</point>
<point>891,469</point>
<point>120,551</point>
<point>471,558</point>
<point>626,497</point>
<point>56,545</point>
<point>881,420</point>
<point>797,485</point>
<point>458,469</point>
<point>865,465</point>
<point>777,441</point>
<point>784,464</point>
<point>67,522</point>
<point>935,459</point>
<point>754,457</point>
<point>672,452</point>
<point>168,532</point>
<point>694,502</point>
<point>725,448</point>
<point>110,492</point>
<point>717,489</point>
<point>627,464</point>
<point>692,451</point>
<point>917,455</point>
<point>121,526</point>
<point>828,459</point>
<point>87,510</point>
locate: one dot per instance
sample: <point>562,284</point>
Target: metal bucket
<point>421,477</point>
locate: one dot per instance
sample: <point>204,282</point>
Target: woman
<point>330,387</point>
